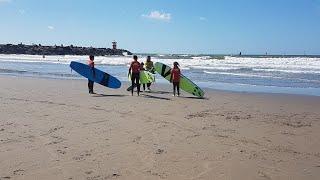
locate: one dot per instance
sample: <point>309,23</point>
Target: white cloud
<point>50,28</point>
<point>156,15</point>
<point>202,18</point>
<point>22,11</point>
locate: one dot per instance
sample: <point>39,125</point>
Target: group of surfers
<point>136,67</point>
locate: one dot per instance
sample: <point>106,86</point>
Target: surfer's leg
<point>138,84</point>
<point>132,84</point>
<point>144,87</point>
<point>178,88</point>
<point>174,88</point>
<point>148,86</point>
<point>90,86</point>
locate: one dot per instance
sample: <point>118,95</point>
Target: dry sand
<point>53,129</point>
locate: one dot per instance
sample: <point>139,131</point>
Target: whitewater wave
<point>261,76</point>
<point>237,74</point>
<point>270,64</point>
<point>37,73</point>
<point>301,71</point>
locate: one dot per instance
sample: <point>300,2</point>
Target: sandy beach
<point>53,129</point>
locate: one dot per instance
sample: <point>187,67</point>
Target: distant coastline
<point>38,49</point>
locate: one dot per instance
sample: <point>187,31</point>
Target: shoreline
<point>53,129</point>
<point>232,74</point>
<point>206,89</point>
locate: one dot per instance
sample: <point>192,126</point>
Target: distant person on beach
<point>91,65</point>
<point>134,70</point>
<point>175,78</point>
<point>150,68</point>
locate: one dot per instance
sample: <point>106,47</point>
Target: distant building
<point>114,45</point>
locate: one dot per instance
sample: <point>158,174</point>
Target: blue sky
<point>167,26</point>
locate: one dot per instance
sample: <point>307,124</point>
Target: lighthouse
<point>114,45</point>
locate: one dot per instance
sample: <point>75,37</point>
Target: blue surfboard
<point>100,77</point>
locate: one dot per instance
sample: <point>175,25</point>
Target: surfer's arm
<point>129,72</point>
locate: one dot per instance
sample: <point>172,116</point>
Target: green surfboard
<point>145,77</point>
<point>185,83</point>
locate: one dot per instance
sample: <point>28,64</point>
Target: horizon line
<point>213,54</point>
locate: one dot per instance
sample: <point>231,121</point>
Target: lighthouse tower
<point>114,45</point>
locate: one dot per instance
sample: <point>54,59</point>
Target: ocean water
<point>269,74</point>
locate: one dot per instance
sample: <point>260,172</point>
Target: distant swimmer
<point>240,54</point>
<point>134,70</point>
<point>91,65</point>
<point>175,78</point>
<point>150,68</point>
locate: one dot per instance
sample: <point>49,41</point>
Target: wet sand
<point>53,129</point>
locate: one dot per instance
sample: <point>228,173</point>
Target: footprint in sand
<point>94,177</point>
<point>61,151</point>
<point>137,139</point>
<point>98,177</point>
<point>5,177</point>
<point>88,172</point>
<point>18,172</point>
<point>161,175</point>
<point>56,140</point>
<point>202,114</point>
<point>264,175</point>
<point>52,130</point>
<point>159,151</point>
<point>82,156</point>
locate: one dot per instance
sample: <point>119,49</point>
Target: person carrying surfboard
<point>175,78</point>
<point>91,65</point>
<point>142,69</point>
<point>134,70</point>
<point>150,68</point>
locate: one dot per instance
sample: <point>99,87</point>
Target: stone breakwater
<point>59,50</point>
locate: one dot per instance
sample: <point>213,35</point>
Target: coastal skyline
<point>209,27</point>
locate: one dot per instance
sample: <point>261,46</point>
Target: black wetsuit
<point>135,80</point>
